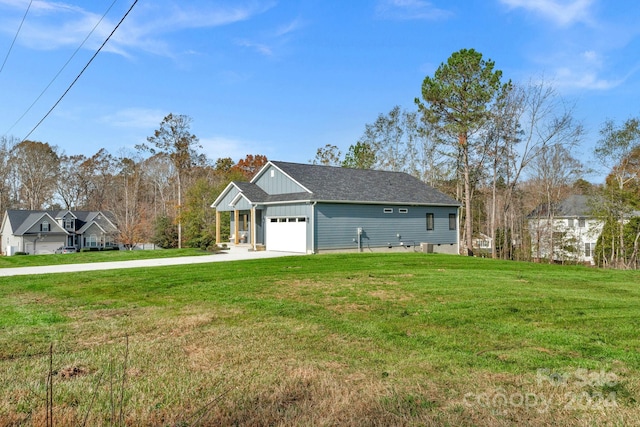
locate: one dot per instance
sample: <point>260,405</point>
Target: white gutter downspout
<point>313,227</point>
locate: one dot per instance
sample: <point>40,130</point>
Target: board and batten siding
<point>288,210</point>
<point>273,181</point>
<point>225,203</point>
<point>243,205</point>
<point>337,225</point>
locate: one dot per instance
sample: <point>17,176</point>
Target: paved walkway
<point>156,262</point>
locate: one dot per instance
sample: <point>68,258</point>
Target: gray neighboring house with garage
<point>308,208</point>
<point>43,232</point>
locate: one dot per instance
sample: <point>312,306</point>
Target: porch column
<point>236,226</point>
<point>218,227</point>
<point>253,227</point>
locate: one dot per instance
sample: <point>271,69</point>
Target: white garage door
<point>44,247</point>
<point>287,234</point>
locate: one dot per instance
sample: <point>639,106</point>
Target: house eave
<point>386,203</point>
<point>356,202</point>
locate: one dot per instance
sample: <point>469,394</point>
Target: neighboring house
<point>42,232</point>
<point>482,243</point>
<point>567,233</point>
<point>311,208</point>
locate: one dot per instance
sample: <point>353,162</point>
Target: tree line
<point>502,149</point>
<point>161,192</point>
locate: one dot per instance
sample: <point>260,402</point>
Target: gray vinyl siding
<point>243,205</point>
<point>337,224</point>
<point>279,183</point>
<point>223,206</point>
<point>259,226</point>
<point>293,209</point>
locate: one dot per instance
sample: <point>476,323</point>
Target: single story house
<point>43,232</point>
<point>308,208</point>
<point>568,233</point>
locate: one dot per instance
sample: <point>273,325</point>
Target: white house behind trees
<point>567,233</point>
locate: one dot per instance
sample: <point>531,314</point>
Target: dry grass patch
<point>361,340</point>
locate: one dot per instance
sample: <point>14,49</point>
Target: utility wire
<point>81,72</point>
<point>14,39</point>
<point>61,69</point>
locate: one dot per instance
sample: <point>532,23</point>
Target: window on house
<point>92,240</point>
<point>68,224</point>
<point>452,222</point>
<point>45,226</point>
<point>581,222</point>
<point>589,248</point>
<point>570,222</point>
<point>388,210</point>
<point>403,210</point>
<point>429,221</point>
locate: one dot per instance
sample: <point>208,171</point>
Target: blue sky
<point>282,78</point>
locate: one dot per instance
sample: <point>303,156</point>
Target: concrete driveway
<point>159,262</point>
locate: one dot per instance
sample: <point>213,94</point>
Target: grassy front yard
<point>359,339</point>
<point>90,257</point>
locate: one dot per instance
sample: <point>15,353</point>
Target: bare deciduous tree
<point>174,138</point>
<point>35,165</point>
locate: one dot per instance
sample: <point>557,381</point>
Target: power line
<point>81,72</point>
<point>16,36</point>
<point>61,69</point>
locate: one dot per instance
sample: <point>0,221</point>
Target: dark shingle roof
<point>22,220</point>
<point>329,183</point>
<point>251,191</point>
<point>572,206</point>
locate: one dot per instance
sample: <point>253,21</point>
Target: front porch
<point>245,228</point>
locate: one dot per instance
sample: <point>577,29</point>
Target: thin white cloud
<point>409,10</point>
<point>261,48</point>
<point>273,41</point>
<point>289,27</point>
<point>572,78</point>
<point>38,6</point>
<point>587,70</point>
<point>562,12</point>
<point>52,25</point>
<point>138,118</point>
<point>220,147</point>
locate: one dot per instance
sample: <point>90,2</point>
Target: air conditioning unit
<point>426,248</point>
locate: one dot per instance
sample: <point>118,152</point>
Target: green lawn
<point>345,339</point>
<point>90,257</point>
